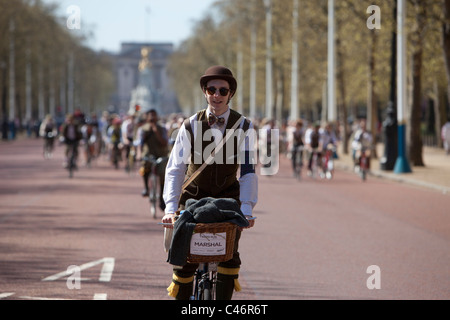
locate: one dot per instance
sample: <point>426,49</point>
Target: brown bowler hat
<point>219,72</point>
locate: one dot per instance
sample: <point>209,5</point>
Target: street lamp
<point>401,164</point>
<point>5,115</point>
<point>12,80</point>
<point>268,5</point>
<point>390,127</point>
<point>294,66</point>
<point>332,112</point>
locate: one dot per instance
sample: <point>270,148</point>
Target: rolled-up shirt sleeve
<point>248,180</point>
<point>248,193</point>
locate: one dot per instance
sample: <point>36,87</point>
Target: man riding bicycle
<point>218,179</point>
<point>313,143</point>
<point>71,136</point>
<point>48,131</point>
<point>128,129</point>
<point>296,145</point>
<point>153,142</point>
<point>362,142</point>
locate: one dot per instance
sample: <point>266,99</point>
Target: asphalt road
<point>313,239</point>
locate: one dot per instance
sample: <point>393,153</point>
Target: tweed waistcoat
<point>219,179</point>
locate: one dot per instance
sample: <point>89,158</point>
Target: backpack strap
<point>211,157</point>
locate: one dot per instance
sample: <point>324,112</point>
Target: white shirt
<point>308,135</point>
<point>180,157</point>
<point>362,139</point>
<point>327,138</point>
<point>127,128</point>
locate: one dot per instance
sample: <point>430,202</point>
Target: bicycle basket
<point>212,242</point>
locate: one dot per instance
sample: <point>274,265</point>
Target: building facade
<point>130,79</point>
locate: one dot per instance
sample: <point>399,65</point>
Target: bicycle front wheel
<point>204,290</point>
<point>153,195</point>
<point>207,292</point>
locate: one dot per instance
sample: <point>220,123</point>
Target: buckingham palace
<point>141,78</point>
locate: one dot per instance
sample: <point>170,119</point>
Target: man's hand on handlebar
<point>168,218</point>
<point>251,222</point>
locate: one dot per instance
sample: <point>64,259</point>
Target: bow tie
<point>212,119</point>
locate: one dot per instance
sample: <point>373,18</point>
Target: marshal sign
<point>208,244</point>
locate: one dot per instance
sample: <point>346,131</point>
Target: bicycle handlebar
<point>171,224</point>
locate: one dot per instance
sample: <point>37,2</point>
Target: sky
<point>116,21</point>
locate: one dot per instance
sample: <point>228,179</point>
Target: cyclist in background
<point>71,136</point>
<point>154,142</point>
<point>296,144</point>
<point>115,141</point>
<point>362,142</point>
<point>313,143</point>
<point>128,130</point>
<point>89,132</point>
<point>103,125</point>
<point>329,142</point>
<point>48,131</point>
<point>328,137</point>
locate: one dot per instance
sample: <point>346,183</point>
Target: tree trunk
<point>437,112</point>
<point>343,107</point>
<point>372,114</point>
<point>415,147</point>
<point>446,44</point>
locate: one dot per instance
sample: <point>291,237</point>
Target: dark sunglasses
<point>212,90</point>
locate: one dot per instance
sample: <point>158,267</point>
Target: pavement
<point>434,175</point>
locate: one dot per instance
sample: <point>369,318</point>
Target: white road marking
<point>41,298</point>
<point>6,295</point>
<point>105,274</point>
<point>100,296</point>
<point>107,270</point>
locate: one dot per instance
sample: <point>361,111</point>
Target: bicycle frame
<point>315,163</point>
<point>90,151</point>
<point>205,282</point>
<point>131,158</point>
<point>116,154</point>
<point>205,278</point>
<point>363,164</point>
<point>153,196</point>
<point>328,163</point>
<point>72,158</point>
<point>298,161</point>
<point>48,145</point>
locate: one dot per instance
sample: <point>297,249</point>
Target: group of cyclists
<point>77,130</point>
<point>318,144</point>
<point>312,143</point>
<point>128,141</point>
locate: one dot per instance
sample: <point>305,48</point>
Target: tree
<point>417,39</point>
<point>44,48</point>
<point>363,55</point>
<point>446,44</point>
